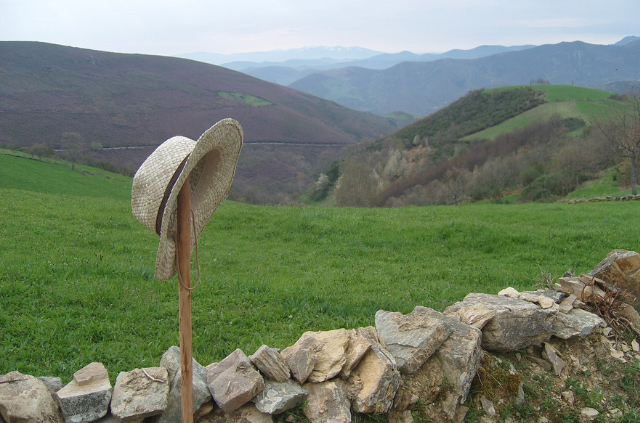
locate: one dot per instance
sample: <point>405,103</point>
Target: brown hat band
<point>167,193</point>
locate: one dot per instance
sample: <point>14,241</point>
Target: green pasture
<point>565,101</point>
<point>77,285</point>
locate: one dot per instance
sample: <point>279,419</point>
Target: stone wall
<point>425,357</point>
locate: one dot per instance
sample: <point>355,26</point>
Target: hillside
<point>485,145</point>
<point>77,283</point>
<point>124,105</point>
<point>422,88</point>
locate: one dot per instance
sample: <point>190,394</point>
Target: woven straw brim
<point>211,165</point>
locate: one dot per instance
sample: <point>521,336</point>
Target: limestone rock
<point>551,355</point>
<point>376,379</point>
<point>516,325</point>
<point>476,315</point>
<point>327,402</point>
<point>171,361</point>
<point>86,398</point>
<point>456,361</point>
<point>140,393</point>
<point>234,381</point>
<point>577,322</point>
<point>411,338</point>
<point>325,351</point>
<point>271,364</point>
<point>631,314</point>
<point>90,373</point>
<point>248,413</point>
<point>621,269</point>
<point>278,397</point>
<point>358,346</point>
<point>509,292</point>
<point>567,304</point>
<point>300,361</point>
<point>24,398</point>
<point>583,287</point>
<point>54,384</point>
<point>487,406</point>
<point>589,413</point>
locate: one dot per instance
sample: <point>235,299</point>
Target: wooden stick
<point>183,246</point>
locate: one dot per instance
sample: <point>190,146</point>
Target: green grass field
<point>76,269</point>
<point>565,101</point>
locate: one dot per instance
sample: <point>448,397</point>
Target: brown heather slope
<point>131,100</point>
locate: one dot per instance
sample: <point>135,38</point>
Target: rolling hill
<point>127,104</point>
<point>486,144</point>
<point>422,88</point>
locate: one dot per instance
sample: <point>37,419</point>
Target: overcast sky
<point>236,26</point>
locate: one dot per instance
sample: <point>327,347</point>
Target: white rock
<point>509,292</point>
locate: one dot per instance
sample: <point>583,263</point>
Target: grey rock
<point>248,413</point>
<point>24,398</point>
<point>577,322</point>
<point>271,364</point>
<point>278,397</point>
<point>487,406</point>
<point>455,362</point>
<point>325,350</point>
<point>53,384</point>
<point>140,393</point>
<point>86,398</point>
<point>411,338</point>
<point>171,361</point>
<point>551,355</point>
<point>234,381</point>
<point>516,325</point>
<point>327,402</point>
<point>376,379</point>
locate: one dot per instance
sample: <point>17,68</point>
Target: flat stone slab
<point>278,397</point>
<point>517,324</point>
<point>411,338</point>
<point>576,322</point>
<point>89,401</point>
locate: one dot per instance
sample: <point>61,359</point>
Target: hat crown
<point>153,177</point>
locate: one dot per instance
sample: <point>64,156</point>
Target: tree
<point>357,187</point>
<point>621,129</point>
<point>75,147</point>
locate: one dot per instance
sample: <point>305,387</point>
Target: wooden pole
<point>183,246</point>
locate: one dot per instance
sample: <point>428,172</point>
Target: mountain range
<point>127,104</point>
<point>422,88</point>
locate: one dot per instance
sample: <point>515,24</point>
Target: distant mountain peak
<point>626,40</point>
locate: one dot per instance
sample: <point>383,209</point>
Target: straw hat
<point>211,163</point>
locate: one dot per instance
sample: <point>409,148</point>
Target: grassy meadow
<point>76,269</point>
<point>565,101</point>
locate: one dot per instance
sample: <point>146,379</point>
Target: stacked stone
<point>424,356</point>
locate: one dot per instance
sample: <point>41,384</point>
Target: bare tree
<point>75,147</point>
<point>621,129</point>
<point>357,186</point>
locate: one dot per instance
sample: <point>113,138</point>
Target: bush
<point>547,188</point>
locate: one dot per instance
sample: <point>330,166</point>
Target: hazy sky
<point>235,26</point>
